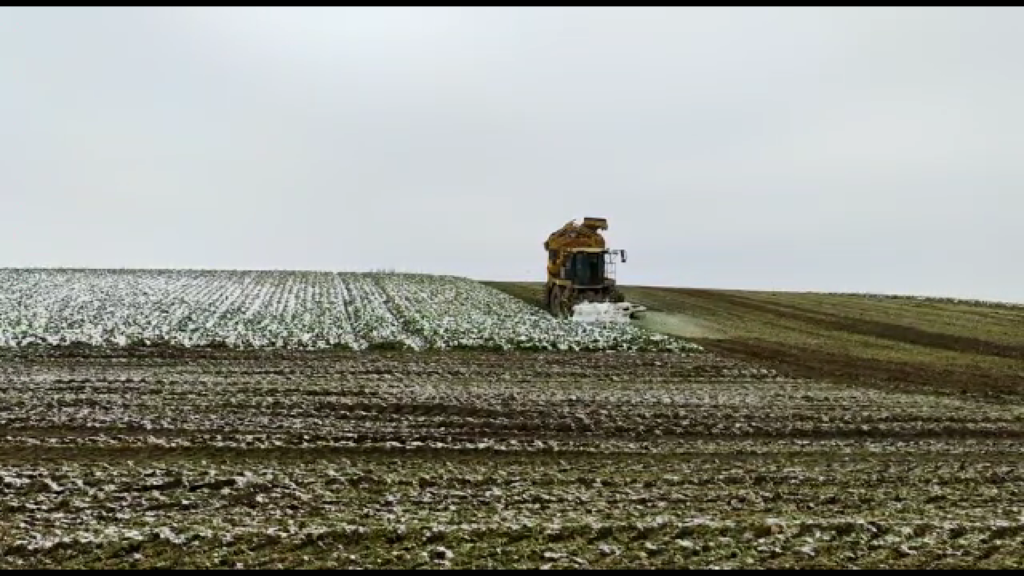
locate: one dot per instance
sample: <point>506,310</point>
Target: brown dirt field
<point>214,458</point>
<point>929,346</point>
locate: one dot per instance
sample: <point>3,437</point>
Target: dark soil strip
<point>813,363</point>
<point>875,329</point>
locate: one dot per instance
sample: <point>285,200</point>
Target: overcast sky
<point>840,149</point>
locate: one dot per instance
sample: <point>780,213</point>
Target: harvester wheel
<point>553,301</point>
<point>559,302</point>
<point>565,301</point>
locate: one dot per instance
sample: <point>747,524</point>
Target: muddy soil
<point>215,458</point>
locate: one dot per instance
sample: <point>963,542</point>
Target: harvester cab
<point>588,268</point>
<point>581,275</point>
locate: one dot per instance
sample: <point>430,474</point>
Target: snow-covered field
<point>275,309</point>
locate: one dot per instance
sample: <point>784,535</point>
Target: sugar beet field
<point>275,419</point>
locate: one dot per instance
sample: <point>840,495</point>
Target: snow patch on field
<point>600,312</point>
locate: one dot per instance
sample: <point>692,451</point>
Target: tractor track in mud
<point>908,376</point>
<point>219,458</point>
<point>907,345</point>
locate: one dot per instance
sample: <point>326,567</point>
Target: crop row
<point>534,511</point>
<point>272,309</point>
<point>414,404</point>
<point>933,299</point>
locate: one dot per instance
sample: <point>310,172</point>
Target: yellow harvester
<point>581,274</point>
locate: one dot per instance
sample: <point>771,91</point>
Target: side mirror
<point>623,256</point>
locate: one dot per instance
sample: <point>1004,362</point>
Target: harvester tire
<point>560,304</point>
<point>565,300</point>
<point>554,304</point>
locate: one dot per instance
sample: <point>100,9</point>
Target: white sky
<point>841,149</point>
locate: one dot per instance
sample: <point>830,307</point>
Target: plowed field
<point>123,457</point>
